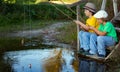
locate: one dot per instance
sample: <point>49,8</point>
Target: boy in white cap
<point>106,34</point>
<point>84,36</point>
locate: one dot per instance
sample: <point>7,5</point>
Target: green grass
<point>35,16</point>
<point>27,25</point>
<point>13,44</point>
<point>3,66</point>
<point>68,34</point>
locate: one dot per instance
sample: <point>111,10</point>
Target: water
<point>33,60</point>
<point>45,60</point>
<point>49,60</point>
<point>23,59</point>
<point>91,66</point>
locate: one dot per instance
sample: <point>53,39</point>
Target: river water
<point>33,60</point>
<point>56,59</point>
<point>49,60</point>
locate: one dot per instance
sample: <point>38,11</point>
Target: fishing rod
<point>73,20</point>
<point>71,10</point>
<point>62,12</point>
<point>69,18</point>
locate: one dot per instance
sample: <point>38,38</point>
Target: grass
<point>4,67</point>
<point>27,25</point>
<point>13,44</point>
<point>25,17</point>
<point>68,34</point>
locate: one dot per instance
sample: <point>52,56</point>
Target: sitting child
<point>106,35</point>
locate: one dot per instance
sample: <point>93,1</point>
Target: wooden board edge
<point>98,59</point>
<point>116,47</point>
<point>91,58</point>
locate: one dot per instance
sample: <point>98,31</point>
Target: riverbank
<point>53,34</point>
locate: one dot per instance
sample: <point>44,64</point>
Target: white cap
<point>101,14</point>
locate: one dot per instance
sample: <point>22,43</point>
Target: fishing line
<point>30,25</point>
<point>62,11</point>
<point>23,40</point>
<point>63,14</point>
<point>72,10</point>
<point>72,21</point>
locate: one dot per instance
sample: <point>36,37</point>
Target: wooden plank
<point>113,51</point>
<point>115,7</point>
<point>117,47</point>
<point>117,17</point>
<point>116,21</point>
<point>103,5</point>
<point>117,28</point>
<point>101,60</point>
<point>78,14</point>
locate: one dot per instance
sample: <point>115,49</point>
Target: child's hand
<point>91,27</point>
<point>77,22</point>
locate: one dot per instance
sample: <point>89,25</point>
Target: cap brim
<point>97,16</point>
<point>90,9</point>
<point>84,7</point>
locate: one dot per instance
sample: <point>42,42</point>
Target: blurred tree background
<point>17,9</point>
<point>15,12</point>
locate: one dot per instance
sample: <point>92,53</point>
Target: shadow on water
<point>91,66</point>
<point>5,67</point>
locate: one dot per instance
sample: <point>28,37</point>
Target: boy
<point>106,34</point>
<point>84,36</point>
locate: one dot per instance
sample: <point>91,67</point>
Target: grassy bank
<point>13,44</point>
<point>25,25</point>
<point>68,34</point>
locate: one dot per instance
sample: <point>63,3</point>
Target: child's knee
<point>100,39</point>
<point>85,34</point>
<point>93,36</point>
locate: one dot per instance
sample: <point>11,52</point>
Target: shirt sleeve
<point>100,27</point>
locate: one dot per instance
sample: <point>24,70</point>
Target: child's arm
<point>82,25</point>
<point>98,32</point>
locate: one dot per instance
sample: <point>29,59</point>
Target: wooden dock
<point>114,53</point>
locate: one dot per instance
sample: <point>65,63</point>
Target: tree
<point>10,1</point>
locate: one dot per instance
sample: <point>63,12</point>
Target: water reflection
<point>90,66</point>
<point>68,58</point>
<point>50,60</point>
<point>27,60</point>
<point>35,59</point>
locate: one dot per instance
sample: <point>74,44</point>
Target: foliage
<point>3,66</point>
<point>5,26</point>
<point>10,1</point>
<point>39,11</point>
<point>68,34</point>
